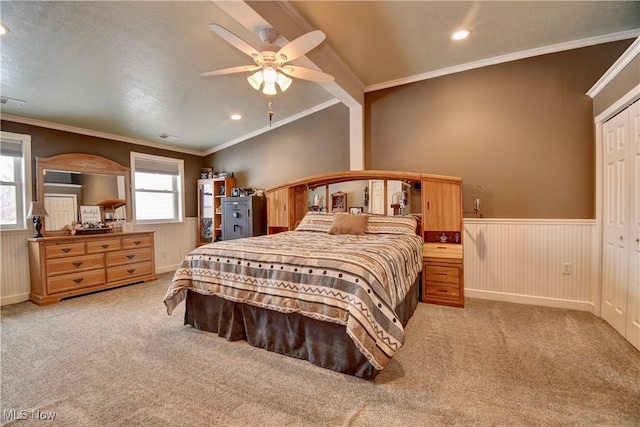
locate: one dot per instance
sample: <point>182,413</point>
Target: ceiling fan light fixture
<point>283,81</point>
<point>460,35</point>
<point>269,89</point>
<point>270,75</point>
<point>255,80</point>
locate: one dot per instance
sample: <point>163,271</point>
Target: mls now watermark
<point>23,414</point>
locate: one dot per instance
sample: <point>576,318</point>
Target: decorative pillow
<point>316,221</point>
<point>348,224</point>
<point>382,224</point>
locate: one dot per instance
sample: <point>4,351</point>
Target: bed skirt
<point>324,344</point>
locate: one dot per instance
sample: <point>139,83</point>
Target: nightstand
<point>442,274</point>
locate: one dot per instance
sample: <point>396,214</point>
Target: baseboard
<point>167,268</point>
<point>13,299</point>
<point>529,299</point>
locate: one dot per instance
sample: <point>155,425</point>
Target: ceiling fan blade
<point>236,41</point>
<point>300,46</point>
<point>305,73</point>
<point>240,69</point>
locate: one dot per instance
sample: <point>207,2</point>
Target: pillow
<point>316,221</point>
<point>382,224</point>
<point>348,224</point>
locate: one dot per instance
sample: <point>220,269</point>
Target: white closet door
<point>376,196</point>
<point>615,257</point>
<point>633,295</point>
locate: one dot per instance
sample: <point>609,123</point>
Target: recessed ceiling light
<point>236,117</point>
<point>460,35</point>
<point>3,29</point>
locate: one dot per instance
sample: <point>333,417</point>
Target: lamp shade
<point>255,80</point>
<point>283,81</point>
<point>37,209</point>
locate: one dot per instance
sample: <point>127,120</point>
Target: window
<point>15,180</point>
<point>158,184</point>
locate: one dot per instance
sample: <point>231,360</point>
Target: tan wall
<point>626,80</point>
<point>315,144</point>
<point>522,130</point>
<point>48,142</point>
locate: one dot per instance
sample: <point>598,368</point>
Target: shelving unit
<point>210,194</point>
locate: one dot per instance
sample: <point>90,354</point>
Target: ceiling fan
<point>271,61</point>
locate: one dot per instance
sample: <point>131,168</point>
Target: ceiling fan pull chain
<point>270,113</point>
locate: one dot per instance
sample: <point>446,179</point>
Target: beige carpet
<point>116,359</point>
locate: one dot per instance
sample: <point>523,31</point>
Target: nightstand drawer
<point>440,291</point>
<point>443,274</point>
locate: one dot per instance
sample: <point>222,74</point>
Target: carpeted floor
<point>116,359</point>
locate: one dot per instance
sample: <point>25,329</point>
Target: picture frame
<point>355,210</point>
<point>90,214</point>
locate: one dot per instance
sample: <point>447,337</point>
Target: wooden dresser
<point>443,274</point>
<point>65,266</point>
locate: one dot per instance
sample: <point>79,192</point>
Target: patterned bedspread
<point>353,280</point>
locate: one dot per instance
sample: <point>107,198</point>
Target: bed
<point>336,291</point>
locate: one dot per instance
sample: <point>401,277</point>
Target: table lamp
<point>37,211</point>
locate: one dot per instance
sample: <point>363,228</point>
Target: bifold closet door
<point>633,294</point>
<point>621,224</point>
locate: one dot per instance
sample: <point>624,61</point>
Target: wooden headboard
<point>440,200</point>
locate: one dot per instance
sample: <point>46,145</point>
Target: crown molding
<point>576,44</point>
<point>628,55</point>
<point>97,134</point>
<point>275,125</point>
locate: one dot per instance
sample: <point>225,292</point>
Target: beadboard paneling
<point>172,242</point>
<point>522,261</point>
<point>510,260</point>
<point>14,284</point>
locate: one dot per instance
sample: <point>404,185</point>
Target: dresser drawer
<point>129,271</point>
<point>443,274</point>
<point>136,242</point>
<point>104,246</point>
<point>57,266</point>
<point>56,250</point>
<point>128,257</point>
<point>441,291</point>
<point>82,279</point>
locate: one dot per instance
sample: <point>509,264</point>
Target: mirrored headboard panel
<point>68,181</point>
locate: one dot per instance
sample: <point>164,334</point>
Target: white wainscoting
<point>522,261</point>
<point>14,262</point>
<point>172,242</point>
<point>507,260</point>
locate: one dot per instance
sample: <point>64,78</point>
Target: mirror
<point>68,181</point>
<point>400,194</point>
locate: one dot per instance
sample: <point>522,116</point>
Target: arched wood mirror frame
<point>81,163</point>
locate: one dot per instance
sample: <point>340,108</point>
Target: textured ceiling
<point>132,68</point>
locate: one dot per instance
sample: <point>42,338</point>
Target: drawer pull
<point>65,250</point>
<point>441,290</point>
<point>130,256</point>
<point>78,280</point>
<point>441,274</point>
<point>77,263</point>
<point>131,270</point>
<point>137,242</point>
<point>441,247</point>
<point>105,245</point>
